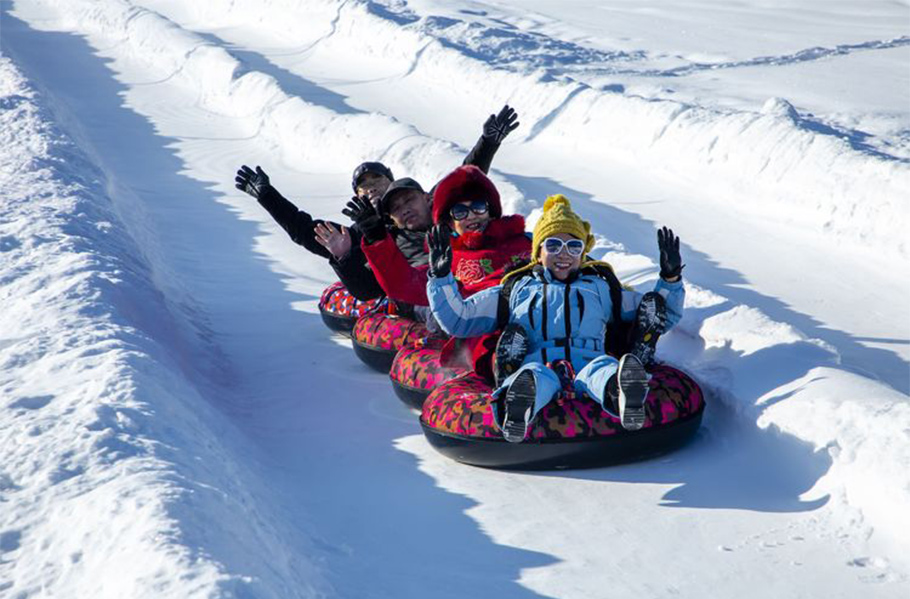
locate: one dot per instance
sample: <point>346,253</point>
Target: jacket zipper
<point>568,311</point>
<point>543,352</point>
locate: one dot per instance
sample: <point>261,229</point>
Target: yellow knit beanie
<point>558,217</point>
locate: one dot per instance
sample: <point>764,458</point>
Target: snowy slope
<point>117,476</point>
<point>791,190</point>
<point>173,419</point>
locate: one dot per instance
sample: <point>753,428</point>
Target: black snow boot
<point>611,397</point>
<point>650,322</point>
<point>511,349</point>
<point>518,407</point>
<point>632,381</point>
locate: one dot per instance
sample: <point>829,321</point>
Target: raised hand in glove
<point>499,126</point>
<point>670,260</point>
<point>440,250</point>
<point>253,183</point>
<point>364,214</point>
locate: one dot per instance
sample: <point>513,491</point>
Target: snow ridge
<point>837,183</point>
<point>791,168</point>
<point>775,156</point>
<point>109,484</point>
<point>853,192</point>
<point>225,85</point>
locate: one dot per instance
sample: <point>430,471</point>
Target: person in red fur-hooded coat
<point>485,246</point>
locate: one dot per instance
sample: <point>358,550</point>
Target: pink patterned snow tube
<point>340,310</point>
<point>378,337</point>
<point>418,369</point>
<point>571,431</point>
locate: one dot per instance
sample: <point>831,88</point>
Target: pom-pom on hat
<point>558,217</point>
<point>465,183</point>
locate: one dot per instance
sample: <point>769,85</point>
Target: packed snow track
<point>177,422</point>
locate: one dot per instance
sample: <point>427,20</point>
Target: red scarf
<point>480,260</point>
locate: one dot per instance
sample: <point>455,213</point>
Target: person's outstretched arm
<point>298,224</point>
<point>457,316</point>
<point>669,285</point>
<point>496,128</point>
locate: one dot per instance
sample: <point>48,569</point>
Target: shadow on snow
<point>326,474</point>
<point>731,463</point>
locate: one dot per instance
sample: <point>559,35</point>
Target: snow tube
<point>571,432</point>
<point>417,370</point>
<point>378,337</point>
<point>340,310</point>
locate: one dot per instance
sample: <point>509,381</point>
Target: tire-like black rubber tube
<point>570,453</point>
<point>412,397</point>
<point>376,358</point>
<point>338,323</point>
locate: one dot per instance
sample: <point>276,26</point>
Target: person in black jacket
<point>341,245</point>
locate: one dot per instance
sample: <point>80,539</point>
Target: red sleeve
<point>396,276</point>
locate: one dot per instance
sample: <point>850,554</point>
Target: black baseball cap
<point>370,167</point>
<point>396,187</point>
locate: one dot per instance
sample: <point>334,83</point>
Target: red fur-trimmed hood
<point>467,182</point>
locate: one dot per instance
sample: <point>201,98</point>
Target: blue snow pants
<point>592,380</point>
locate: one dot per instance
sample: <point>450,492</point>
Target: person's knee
<point>594,376</point>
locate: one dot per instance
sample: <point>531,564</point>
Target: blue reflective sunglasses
<point>554,245</point>
<point>460,211</point>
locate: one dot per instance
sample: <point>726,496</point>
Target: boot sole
<point>511,350</point>
<point>650,324</point>
<point>518,404</point>
<point>633,389</point>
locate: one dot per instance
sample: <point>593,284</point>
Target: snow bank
<point>117,478</point>
<point>787,167</point>
<point>300,132</point>
<point>866,430</point>
<point>774,375</point>
<point>782,166</point>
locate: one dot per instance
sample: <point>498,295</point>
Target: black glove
<point>670,261</point>
<point>364,215</point>
<point>499,126</point>
<point>253,183</point>
<point>440,250</point>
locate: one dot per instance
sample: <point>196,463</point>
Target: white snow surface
<point>175,421</point>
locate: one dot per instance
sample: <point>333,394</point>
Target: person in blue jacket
<point>558,308</point>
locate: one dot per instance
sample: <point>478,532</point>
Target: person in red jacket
<point>484,247</point>
<point>485,244</point>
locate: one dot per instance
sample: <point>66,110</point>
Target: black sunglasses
<point>460,211</point>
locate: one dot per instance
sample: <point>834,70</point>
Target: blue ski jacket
<point>564,320</point>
